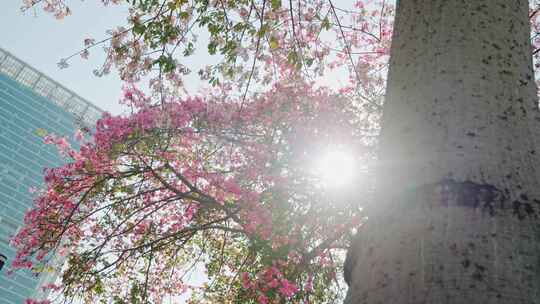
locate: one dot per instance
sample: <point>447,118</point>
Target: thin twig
<point>254,57</point>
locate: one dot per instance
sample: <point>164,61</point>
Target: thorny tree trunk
<point>459,165</point>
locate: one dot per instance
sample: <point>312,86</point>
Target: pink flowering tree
<point>220,183</point>
<point>199,183</point>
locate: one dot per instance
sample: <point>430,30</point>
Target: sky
<point>41,41</point>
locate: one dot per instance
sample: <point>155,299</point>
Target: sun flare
<point>335,168</point>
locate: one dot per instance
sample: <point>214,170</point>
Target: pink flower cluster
<point>271,279</point>
<point>173,170</point>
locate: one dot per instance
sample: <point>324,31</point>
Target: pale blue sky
<point>41,41</point>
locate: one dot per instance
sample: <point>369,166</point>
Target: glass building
<point>30,103</point>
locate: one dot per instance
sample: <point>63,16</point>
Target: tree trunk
<point>459,169</point>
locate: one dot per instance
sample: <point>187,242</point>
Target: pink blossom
<point>262,299</point>
<point>31,301</point>
<point>246,284</point>
<point>287,288</point>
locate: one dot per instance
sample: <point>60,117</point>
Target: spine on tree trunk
<point>459,166</point>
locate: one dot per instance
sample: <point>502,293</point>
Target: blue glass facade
<point>29,101</point>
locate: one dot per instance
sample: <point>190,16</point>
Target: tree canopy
<point>221,182</point>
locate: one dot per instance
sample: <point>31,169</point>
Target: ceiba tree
<point>222,182</point>
<point>457,216</point>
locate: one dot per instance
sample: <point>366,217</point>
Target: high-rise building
<point>30,104</point>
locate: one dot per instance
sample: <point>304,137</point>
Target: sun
<point>335,168</point>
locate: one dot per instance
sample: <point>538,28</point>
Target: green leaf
<point>212,47</point>
<point>98,287</point>
<point>166,63</point>
<point>274,43</point>
<point>139,29</point>
<point>276,4</point>
<point>189,49</point>
<point>325,23</point>
<point>263,30</point>
<point>134,294</point>
<point>41,132</point>
<point>118,300</point>
<point>184,15</point>
<point>292,57</point>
